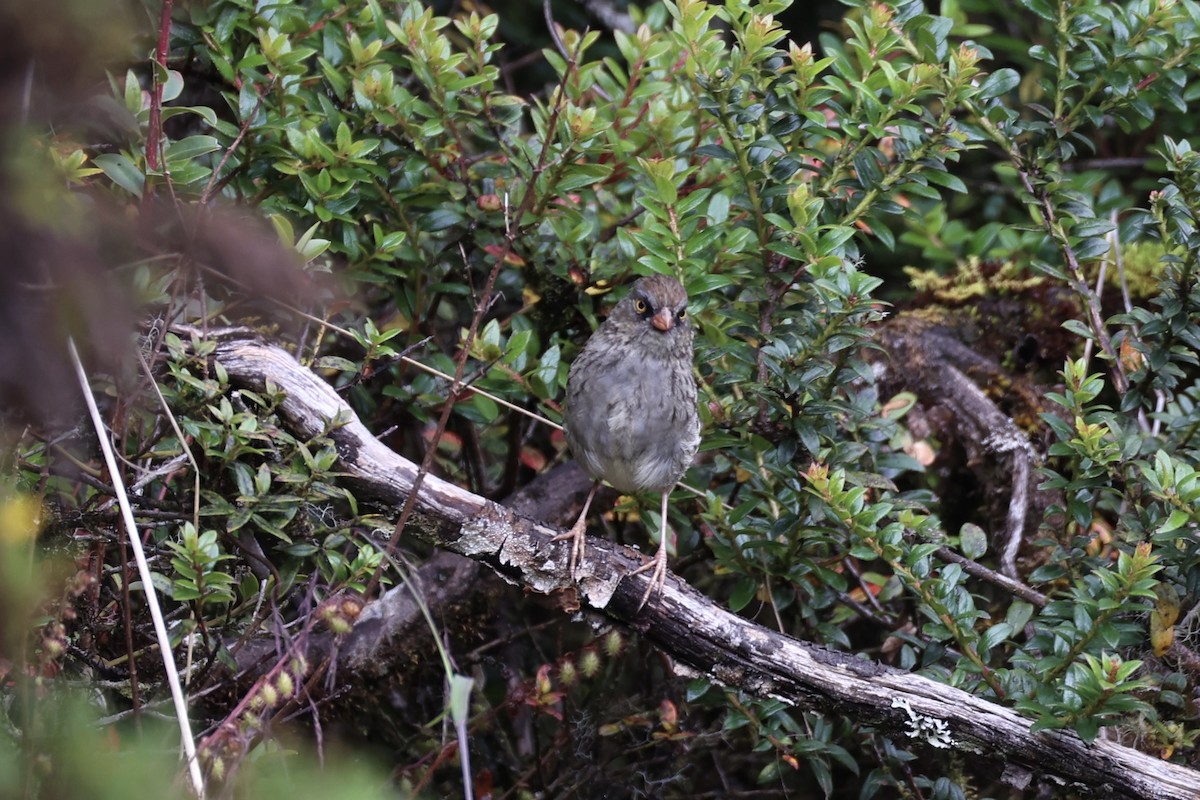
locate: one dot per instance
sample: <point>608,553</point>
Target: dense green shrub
<point>474,225</point>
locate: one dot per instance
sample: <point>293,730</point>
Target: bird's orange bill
<point>663,319</point>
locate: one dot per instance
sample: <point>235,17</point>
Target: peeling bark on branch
<point>701,637</point>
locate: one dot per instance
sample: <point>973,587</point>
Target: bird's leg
<point>657,565</point>
<point>578,532</point>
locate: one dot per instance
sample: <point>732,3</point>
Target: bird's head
<point>656,306</point>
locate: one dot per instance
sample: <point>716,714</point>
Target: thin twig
<point>552,27</point>
<point>562,50</point>
<point>976,569</point>
<point>1044,203</point>
<point>1090,300</point>
<point>26,93</point>
<point>187,451</point>
<point>215,182</point>
<point>135,691</point>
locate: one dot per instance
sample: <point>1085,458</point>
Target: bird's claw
<point>657,567</point>
<point>578,536</point>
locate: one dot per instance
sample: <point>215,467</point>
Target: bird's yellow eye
<point>640,306</point>
<point>682,315</point>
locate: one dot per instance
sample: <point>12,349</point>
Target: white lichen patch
<point>934,732</point>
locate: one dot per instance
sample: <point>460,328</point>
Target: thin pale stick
<point>135,541</point>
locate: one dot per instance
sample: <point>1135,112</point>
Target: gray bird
<point>630,415</point>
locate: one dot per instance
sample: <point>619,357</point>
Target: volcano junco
<point>630,414</point>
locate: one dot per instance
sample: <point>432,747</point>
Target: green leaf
<point>999,82</point>
<point>133,93</point>
<point>486,407</point>
<point>335,362</point>
<point>1177,520</point>
<point>973,540</point>
<point>517,345</point>
<point>951,182</point>
<point>715,151</point>
<point>191,147</point>
<point>996,634</point>
<point>1019,614</point>
<point>718,208</point>
<point>1088,728</point>
<point>122,172</point>
<point>441,219</point>
<point>743,593</point>
<point>172,86</point>
<point>577,176</point>
<point>1092,227</point>
<point>183,591</point>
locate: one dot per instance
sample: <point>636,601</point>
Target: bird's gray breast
<point>632,421</point>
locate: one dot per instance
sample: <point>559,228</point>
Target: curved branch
<point>703,639</point>
<point>935,365</point>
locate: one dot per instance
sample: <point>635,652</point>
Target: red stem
<point>154,135</point>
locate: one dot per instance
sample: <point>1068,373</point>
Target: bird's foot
<point>578,533</point>
<point>657,567</point>
<point>578,536</point>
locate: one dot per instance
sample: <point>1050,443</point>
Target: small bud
<point>335,620</point>
<point>801,56</point>
<point>544,685</point>
<point>351,608</point>
<point>589,663</point>
<point>568,675</point>
<point>614,643</point>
